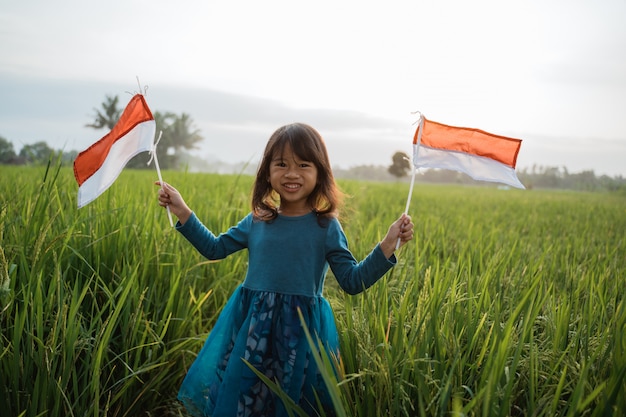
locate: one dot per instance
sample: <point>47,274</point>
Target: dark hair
<point>307,144</point>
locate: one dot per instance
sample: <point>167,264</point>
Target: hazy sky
<point>550,72</point>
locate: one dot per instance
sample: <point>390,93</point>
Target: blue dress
<point>288,261</point>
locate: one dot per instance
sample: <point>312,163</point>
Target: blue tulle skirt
<point>263,328</point>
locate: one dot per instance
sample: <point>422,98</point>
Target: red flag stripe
<point>470,141</point>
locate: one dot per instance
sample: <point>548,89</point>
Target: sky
<point>549,72</point>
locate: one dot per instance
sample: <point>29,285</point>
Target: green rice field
<point>507,303</point>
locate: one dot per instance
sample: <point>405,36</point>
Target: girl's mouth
<point>292,187</point>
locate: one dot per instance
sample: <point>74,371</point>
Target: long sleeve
<point>353,276</point>
<point>215,247</point>
<point>290,255</point>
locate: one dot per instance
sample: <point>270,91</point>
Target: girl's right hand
<point>401,231</point>
<point>169,196</point>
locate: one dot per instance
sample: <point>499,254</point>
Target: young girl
<point>292,236</point>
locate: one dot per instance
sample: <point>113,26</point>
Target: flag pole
<point>416,147</point>
<point>158,169</point>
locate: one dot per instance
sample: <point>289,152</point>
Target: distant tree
<point>7,153</point>
<point>108,117</point>
<point>68,157</point>
<point>181,135</point>
<point>401,165</point>
<point>37,153</point>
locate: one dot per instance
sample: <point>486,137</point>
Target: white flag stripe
<point>477,167</point>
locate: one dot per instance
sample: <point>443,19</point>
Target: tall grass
<point>507,302</point>
<point>510,303</point>
<point>102,308</point>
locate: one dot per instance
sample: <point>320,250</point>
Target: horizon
<point>235,128</point>
<point>552,74</point>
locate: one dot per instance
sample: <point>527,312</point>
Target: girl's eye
<point>282,164</point>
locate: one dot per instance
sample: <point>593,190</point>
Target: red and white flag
<point>479,154</point>
<point>97,167</point>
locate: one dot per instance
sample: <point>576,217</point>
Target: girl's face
<point>294,180</point>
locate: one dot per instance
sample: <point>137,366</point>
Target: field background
<point>507,303</point>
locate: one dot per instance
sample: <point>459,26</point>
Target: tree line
<point>179,136</point>
<point>544,177</point>
<point>535,177</point>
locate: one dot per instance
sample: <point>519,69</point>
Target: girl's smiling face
<point>294,180</point>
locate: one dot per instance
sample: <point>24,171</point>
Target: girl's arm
<point>169,196</point>
<point>210,246</point>
<point>353,276</point>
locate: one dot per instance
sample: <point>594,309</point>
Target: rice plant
<point>506,303</point>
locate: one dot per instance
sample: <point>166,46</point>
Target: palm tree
<point>183,133</point>
<point>109,116</point>
<point>178,133</point>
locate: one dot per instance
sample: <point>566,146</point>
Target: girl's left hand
<point>401,229</point>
